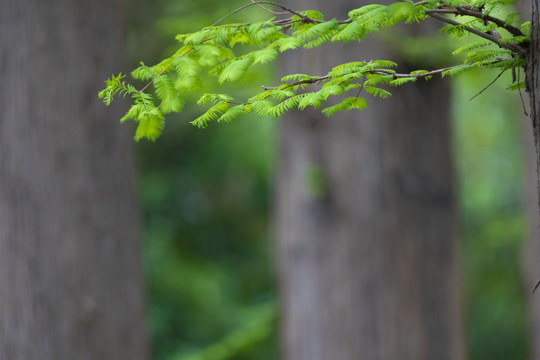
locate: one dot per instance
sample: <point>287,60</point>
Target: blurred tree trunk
<point>366,222</point>
<point>70,273</point>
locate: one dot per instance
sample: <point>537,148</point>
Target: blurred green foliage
<point>490,167</point>
<point>206,197</point>
<point>206,201</point>
<point>490,177</point>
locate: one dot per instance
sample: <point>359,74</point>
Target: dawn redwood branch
<point>317,79</point>
<point>233,12</point>
<point>464,27</point>
<point>260,3</point>
<point>312,80</point>
<point>283,7</point>
<point>434,13</point>
<point>418,76</point>
<point>509,46</point>
<point>467,10</point>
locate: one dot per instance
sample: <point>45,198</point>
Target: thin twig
<point>360,89</point>
<point>521,95</point>
<point>283,7</point>
<point>233,12</point>
<point>488,85</point>
<point>313,80</point>
<point>260,3</point>
<point>271,11</point>
<point>535,287</point>
<point>420,75</point>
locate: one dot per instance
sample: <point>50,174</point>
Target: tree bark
<point>532,245</point>
<point>532,73</point>
<point>70,273</point>
<point>531,248</point>
<point>366,222</point>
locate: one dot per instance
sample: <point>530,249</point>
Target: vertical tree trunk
<point>532,246</point>
<point>533,76</point>
<point>70,275</point>
<point>366,223</point>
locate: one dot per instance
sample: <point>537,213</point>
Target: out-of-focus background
<point>207,195</point>
<point>207,204</point>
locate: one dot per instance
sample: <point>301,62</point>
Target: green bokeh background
<point>490,164</point>
<point>207,197</point>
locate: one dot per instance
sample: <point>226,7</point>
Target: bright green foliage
<point>167,93</point>
<point>347,104</point>
<point>150,124</point>
<point>516,86</point>
<point>260,107</point>
<point>143,72</point>
<point>114,85</point>
<point>211,51</point>
<point>235,70</point>
<point>457,71</point>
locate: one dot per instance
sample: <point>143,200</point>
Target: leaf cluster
<point>227,52</point>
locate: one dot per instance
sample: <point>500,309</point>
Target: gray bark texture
<point>533,74</point>
<point>366,221</point>
<point>70,272</point>
<point>532,246</point>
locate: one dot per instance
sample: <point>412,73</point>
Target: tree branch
<point>418,76</point>
<point>260,3</point>
<point>468,10</point>
<point>312,80</point>
<point>509,46</point>
<point>233,12</point>
<point>304,17</point>
<point>317,79</point>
